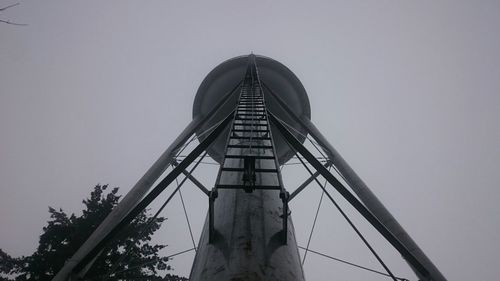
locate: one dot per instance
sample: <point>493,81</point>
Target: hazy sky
<point>407,91</point>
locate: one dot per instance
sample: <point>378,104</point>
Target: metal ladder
<point>250,157</point>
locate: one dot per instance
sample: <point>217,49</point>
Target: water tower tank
<point>274,76</point>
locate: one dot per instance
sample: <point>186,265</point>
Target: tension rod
<point>298,146</point>
<point>379,259</point>
<point>306,183</point>
<point>192,178</point>
<point>156,191</point>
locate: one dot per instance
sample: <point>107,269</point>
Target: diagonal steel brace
<point>306,182</point>
<point>192,178</point>
<point>299,147</point>
<point>155,192</point>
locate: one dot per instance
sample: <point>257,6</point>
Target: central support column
<point>248,236</point>
<point>247,244</point>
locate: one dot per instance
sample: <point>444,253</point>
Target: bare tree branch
<point>10,6</point>
<point>10,22</point>
<point>13,23</point>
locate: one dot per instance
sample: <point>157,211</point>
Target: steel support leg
<point>299,147</point>
<point>138,191</point>
<point>363,192</point>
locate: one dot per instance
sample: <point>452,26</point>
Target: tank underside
<point>274,77</point>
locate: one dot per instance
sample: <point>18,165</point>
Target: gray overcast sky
<point>407,91</point>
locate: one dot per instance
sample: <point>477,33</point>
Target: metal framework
<point>250,165</point>
<point>250,150</point>
<point>248,235</point>
<point>350,198</point>
<point>367,197</point>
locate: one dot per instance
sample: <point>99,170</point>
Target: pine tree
<point>64,234</point>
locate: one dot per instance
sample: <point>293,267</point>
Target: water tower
<point>251,114</point>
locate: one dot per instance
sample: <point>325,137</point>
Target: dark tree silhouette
<point>64,234</point>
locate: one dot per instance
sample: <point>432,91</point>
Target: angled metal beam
<point>297,145</point>
<point>139,189</point>
<point>323,187</point>
<point>306,183</point>
<point>363,191</point>
<point>192,179</point>
<point>155,192</point>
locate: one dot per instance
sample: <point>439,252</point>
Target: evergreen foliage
<point>64,234</point>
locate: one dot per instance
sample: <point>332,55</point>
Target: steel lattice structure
<point>251,114</point>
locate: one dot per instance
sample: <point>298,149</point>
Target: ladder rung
<point>230,186</point>
<point>249,119</point>
<point>248,114</point>
<point>257,170</point>
<point>245,130</point>
<point>256,120</point>
<point>250,124</point>
<point>248,138</point>
<point>251,115</point>
<point>255,123</point>
<point>253,129</point>
<point>249,146</point>
<point>243,156</point>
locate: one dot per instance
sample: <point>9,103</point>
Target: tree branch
<point>9,22</point>
<point>10,6</point>
<point>13,23</point>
